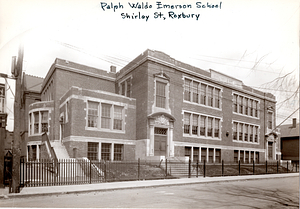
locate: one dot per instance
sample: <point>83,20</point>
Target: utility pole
<point>16,151</point>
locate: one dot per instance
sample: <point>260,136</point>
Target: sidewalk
<point>68,189</point>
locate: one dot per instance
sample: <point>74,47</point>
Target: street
<point>266,193</point>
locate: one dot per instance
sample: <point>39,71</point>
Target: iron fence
<point>83,171</point>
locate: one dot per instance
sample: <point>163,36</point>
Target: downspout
<point>265,126</point>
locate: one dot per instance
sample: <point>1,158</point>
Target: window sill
<point>194,103</point>
<point>246,142</point>
<point>104,130</point>
<point>202,137</point>
<point>248,116</point>
<point>38,134</point>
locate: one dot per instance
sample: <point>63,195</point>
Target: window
<point>247,156</point>
<point>203,154</point>
<point>128,90</point>
<point>246,132</point>
<point>217,97</point>
<point>2,98</point>
<point>256,157</point>
<point>251,156</point>
<point>240,101</point>
<point>118,118</point>
<point>195,91</point>
<point>195,153</point>
<point>209,126</point>
<point>255,134</point>
<point>240,132</point>
<point>93,150</point>
<point>270,119</point>
<point>255,108</point>
<point>92,114</point>
<point>250,107</point>
<point>195,125</point>
<point>202,126</point>
<point>118,152</point>
<point>218,155</point>
<point>36,118</point>
<point>235,130</point>
<point>125,88</point>
<point>246,106</point>
<point>160,94</point>
<point>44,121</point>
<point>105,151</point>
<point>160,131</point>
<point>235,103</point>
<point>251,133</point>
<point>187,123</point>
<point>217,127</point>
<point>242,156</point>
<point>112,116</point>
<point>67,111</point>
<point>203,94</point>
<point>105,116</point>
<point>236,156</point>
<point>210,155</point>
<point>38,122</point>
<point>30,124</point>
<point>210,96</point>
<point>187,89</point>
<point>187,152</point>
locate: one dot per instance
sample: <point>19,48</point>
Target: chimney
<point>113,69</point>
<point>294,122</point>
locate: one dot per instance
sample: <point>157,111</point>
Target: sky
<point>254,41</point>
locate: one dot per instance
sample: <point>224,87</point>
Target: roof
<point>211,75</point>
<point>66,65</point>
<point>32,83</point>
<point>288,131</point>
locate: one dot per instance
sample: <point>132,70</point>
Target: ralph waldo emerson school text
<point>160,9</point>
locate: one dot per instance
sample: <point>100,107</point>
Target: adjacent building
<point>153,108</point>
<point>289,138</point>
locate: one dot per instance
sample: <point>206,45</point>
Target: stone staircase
<point>178,167</point>
<point>60,150</point>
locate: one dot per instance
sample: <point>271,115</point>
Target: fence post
<point>253,167</point>
<point>296,167</point>
<point>90,171</point>
<point>166,164</point>
<point>287,166</point>
<point>222,167</point>
<point>266,166</point>
<point>204,168</point>
<point>138,169</point>
<point>190,162</point>
<point>198,165</point>
<point>277,166</point>
<point>239,167</point>
<point>105,171</point>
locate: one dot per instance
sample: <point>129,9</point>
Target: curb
<point>207,180</point>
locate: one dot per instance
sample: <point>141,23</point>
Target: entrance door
<point>270,150</point>
<point>160,142</point>
<point>160,145</point>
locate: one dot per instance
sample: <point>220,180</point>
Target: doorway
<point>160,141</point>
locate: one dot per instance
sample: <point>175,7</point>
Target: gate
<point>7,168</point>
